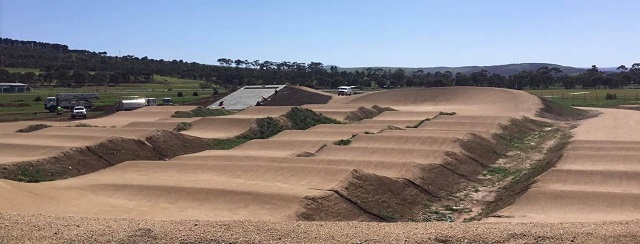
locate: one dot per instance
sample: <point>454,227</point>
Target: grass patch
<point>201,112</point>
<point>502,173</point>
<point>302,119</point>
<point>182,126</point>
<point>83,125</point>
<point>226,144</point>
<point>555,110</point>
<point>109,96</point>
<point>382,109</point>
<point>342,142</point>
<point>305,155</point>
<point>591,97</point>
<point>519,185</point>
<point>32,128</point>
<point>265,128</point>
<point>447,113</point>
<point>29,175</point>
<point>419,123</point>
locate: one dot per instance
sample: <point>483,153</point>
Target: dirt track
<point>302,188</point>
<point>305,175</point>
<point>597,179</point>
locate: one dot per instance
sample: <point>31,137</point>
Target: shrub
<point>180,94</point>
<point>342,142</point>
<point>611,96</point>
<point>182,126</point>
<point>83,125</point>
<point>170,89</point>
<point>302,119</point>
<point>37,99</point>
<point>195,94</point>
<point>447,113</point>
<point>215,91</point>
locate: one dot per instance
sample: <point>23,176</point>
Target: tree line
<point>62,66</point>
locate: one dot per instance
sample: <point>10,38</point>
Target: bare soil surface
<point>53,229</point>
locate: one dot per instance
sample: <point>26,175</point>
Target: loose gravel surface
<point>17,228</point>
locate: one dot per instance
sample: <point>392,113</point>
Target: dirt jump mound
<point>466,100</point>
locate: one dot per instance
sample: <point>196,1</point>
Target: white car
<point>345,91</point>
<point>79,112</point>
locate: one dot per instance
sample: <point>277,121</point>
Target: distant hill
<point>504,69</point>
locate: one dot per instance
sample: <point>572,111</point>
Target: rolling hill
<point>504,69</point>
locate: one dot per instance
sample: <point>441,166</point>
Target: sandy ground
<point>51,229</point>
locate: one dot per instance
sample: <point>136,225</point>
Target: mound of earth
<point>595,180</point>
<point>75,155</point>
<point>298,96</point>
<point>463,100</point>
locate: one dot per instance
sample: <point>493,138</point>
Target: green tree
<point>80,78</point>
<point>114,79</point>
<point>398,78</point>
<point>461,79</point>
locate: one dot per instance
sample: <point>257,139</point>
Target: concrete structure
<point>247,96</point>
<point>14,87</point>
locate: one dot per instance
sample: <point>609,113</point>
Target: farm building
<point>14,87</point>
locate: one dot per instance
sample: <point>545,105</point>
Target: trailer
<point>132,102</point>
<point>69,101</point>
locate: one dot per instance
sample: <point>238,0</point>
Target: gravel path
<point>17,228</point>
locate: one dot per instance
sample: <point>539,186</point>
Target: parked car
<point>345,91</point>
<point>79,112</point>
<point>167,101</point>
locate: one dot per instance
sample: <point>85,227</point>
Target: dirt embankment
<point>298,96</point>
<point>407,197</point>
<point>157,145</point>
<point>361,113</point>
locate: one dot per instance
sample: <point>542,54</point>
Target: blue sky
<point>419,33</point>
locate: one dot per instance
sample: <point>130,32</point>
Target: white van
<point>345,91</point>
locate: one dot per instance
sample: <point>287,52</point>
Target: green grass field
<point>21,106</point>
<point>18,106</point>
<point>590,98</point>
